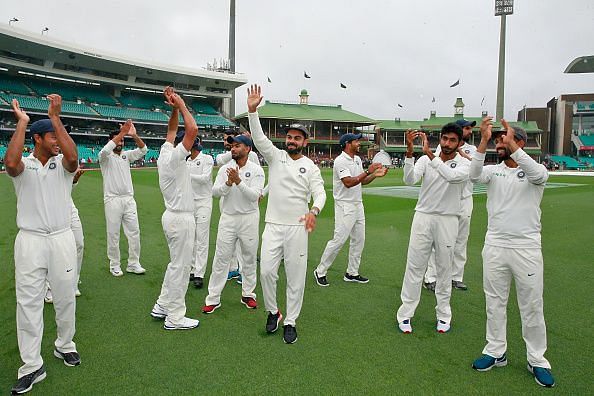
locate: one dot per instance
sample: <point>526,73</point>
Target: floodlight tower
<point>502,8</point>
<point>232,53</point>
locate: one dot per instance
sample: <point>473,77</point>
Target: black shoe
<point>192,277</point>
<point>355,278</point>
<point>290,334</point>
<point>459,285</point>
<point>198,282</point>
<point>273,321</point>
<point>430,286</point>
<point>71,359</point>
<point>26,382</point>
<point>321,280</point>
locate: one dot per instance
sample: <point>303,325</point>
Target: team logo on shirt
<point>521,174</point>
<point>467,151</point>
<point>453,165</point>
<point>198,163</point>
<point>52,165</point>
<point>123,157</point>
<point>247,174</point>
<point>302,170</point>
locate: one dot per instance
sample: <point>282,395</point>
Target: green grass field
<point>348,340</point>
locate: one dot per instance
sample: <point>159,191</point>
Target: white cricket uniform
<point>120,206</point>
<point>291,184</point>
<point>513,250</point>
<point>179,228</point>
<point>44,248</point>
<point>238,225</point>
<point>349,216</point>
<point>434,226</point>
<point>236,261</point>
<point>79,239</point>
<point>465,216</point>
<point>201,175</point>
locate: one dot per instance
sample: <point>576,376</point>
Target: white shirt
<point>469,150</point>
<point>441,189</point>
<point>43,195</point>
<point>201,175</point>
<point>345,166</point>
<point>115,170</point>
<point>225,157</point>
<point>513,200</point>
<point>242,198</point>
<point>174,178</point>
<point>291,182</point>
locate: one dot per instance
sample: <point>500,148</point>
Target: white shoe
<point>77,293</point>
<point>185,324</point>
<point>116,271</point>
<point>405,326</point>
<point>48,297</point>
<point>442,327</point>
<point>158,312</point>
<point>135,269</point>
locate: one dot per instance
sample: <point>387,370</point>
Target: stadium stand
<point>142,101</point>
<point>203,108</point>
<point>40,104</point>
<point>124,113</point>
<point>10,85</point>
<point>568,162</point>
<point>587,160</point>
<point>587,140</point>
<point>72,91</point>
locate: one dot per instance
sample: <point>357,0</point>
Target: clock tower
<point>459,108</point>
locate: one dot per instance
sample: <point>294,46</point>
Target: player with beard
<point>293,179</point>
<point>44,247</point>
<point>466,150</point>
<point>239,183</point>
<point>349,215</point>
<point>435,223</point>
<point>118,198</point>
<point>512,248</point>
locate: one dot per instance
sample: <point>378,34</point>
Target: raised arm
<point>477,174</point>
<point>262,143</point>
<point>13,159</point>
<point>173,123</point>
<point>413,172</point>
<point>65,142</point>
<point>535,173</point>
<point>140,150</point>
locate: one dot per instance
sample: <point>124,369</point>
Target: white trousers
<point>39,257</point>
<point>202,214</point>
<point>288,242</point>
<point>349,221</point>
<point>428,232</point>
<point>233,230</point>
<point>525,266</point>
<point>121,211</point>
<point>79,239</point>
<point>179,228</point>
<point>459,260</point>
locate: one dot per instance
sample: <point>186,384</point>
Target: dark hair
<point>452,127</point>
<point>230,132</point>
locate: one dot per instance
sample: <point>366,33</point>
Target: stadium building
<point>326,124</point>
<point>100,90</point>
<point>391,134</point>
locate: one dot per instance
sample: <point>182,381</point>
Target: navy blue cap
<point>519,133</point>
<point>465,123</point>
<point>349,137</point>
<point>42,126</point>
<point>197,145</point>
<point>298,127</point>
<point>179,136</point>
<point>240,139</point>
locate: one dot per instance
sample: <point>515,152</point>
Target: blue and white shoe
<point>486,362</point>
<point>542,376</point>
<point>232,275</point>
<point>239,280</point>
<point>405,326</point>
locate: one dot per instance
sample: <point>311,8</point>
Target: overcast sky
<point>385,52</point>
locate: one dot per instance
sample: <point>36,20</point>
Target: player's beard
<point>503,154</point>
<point>117,149</point>
<point>294,149</point>
<point>446,150</point>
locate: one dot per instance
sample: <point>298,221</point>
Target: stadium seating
<point>570,162</point>
<point>72,91</point>
<point>587,160</point>
<point>134,114</point>
<point>214,120</point>
<point>203,108</point>
<point>587,140</point>
<point>142,101</point>
<point>11,85</point>
<point>32,103</point>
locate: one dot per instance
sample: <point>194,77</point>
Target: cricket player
<point>200,166</point>
<point>466,150</point>
<point>435,222</point>
<point>239,183</point>
<point>349,215</point>
<point>178,220</point>
<point>293,180</point>
<point>512,248</point>
<point>118,198</point>
<point>44,247</point>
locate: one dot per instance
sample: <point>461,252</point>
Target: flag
<point>433,101</point>
<point>269,80</point>
<point>454,84</point>
<point>483,101</point>
<point>342,85</point>
<point>305,75</point>
<point>399,105</point>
